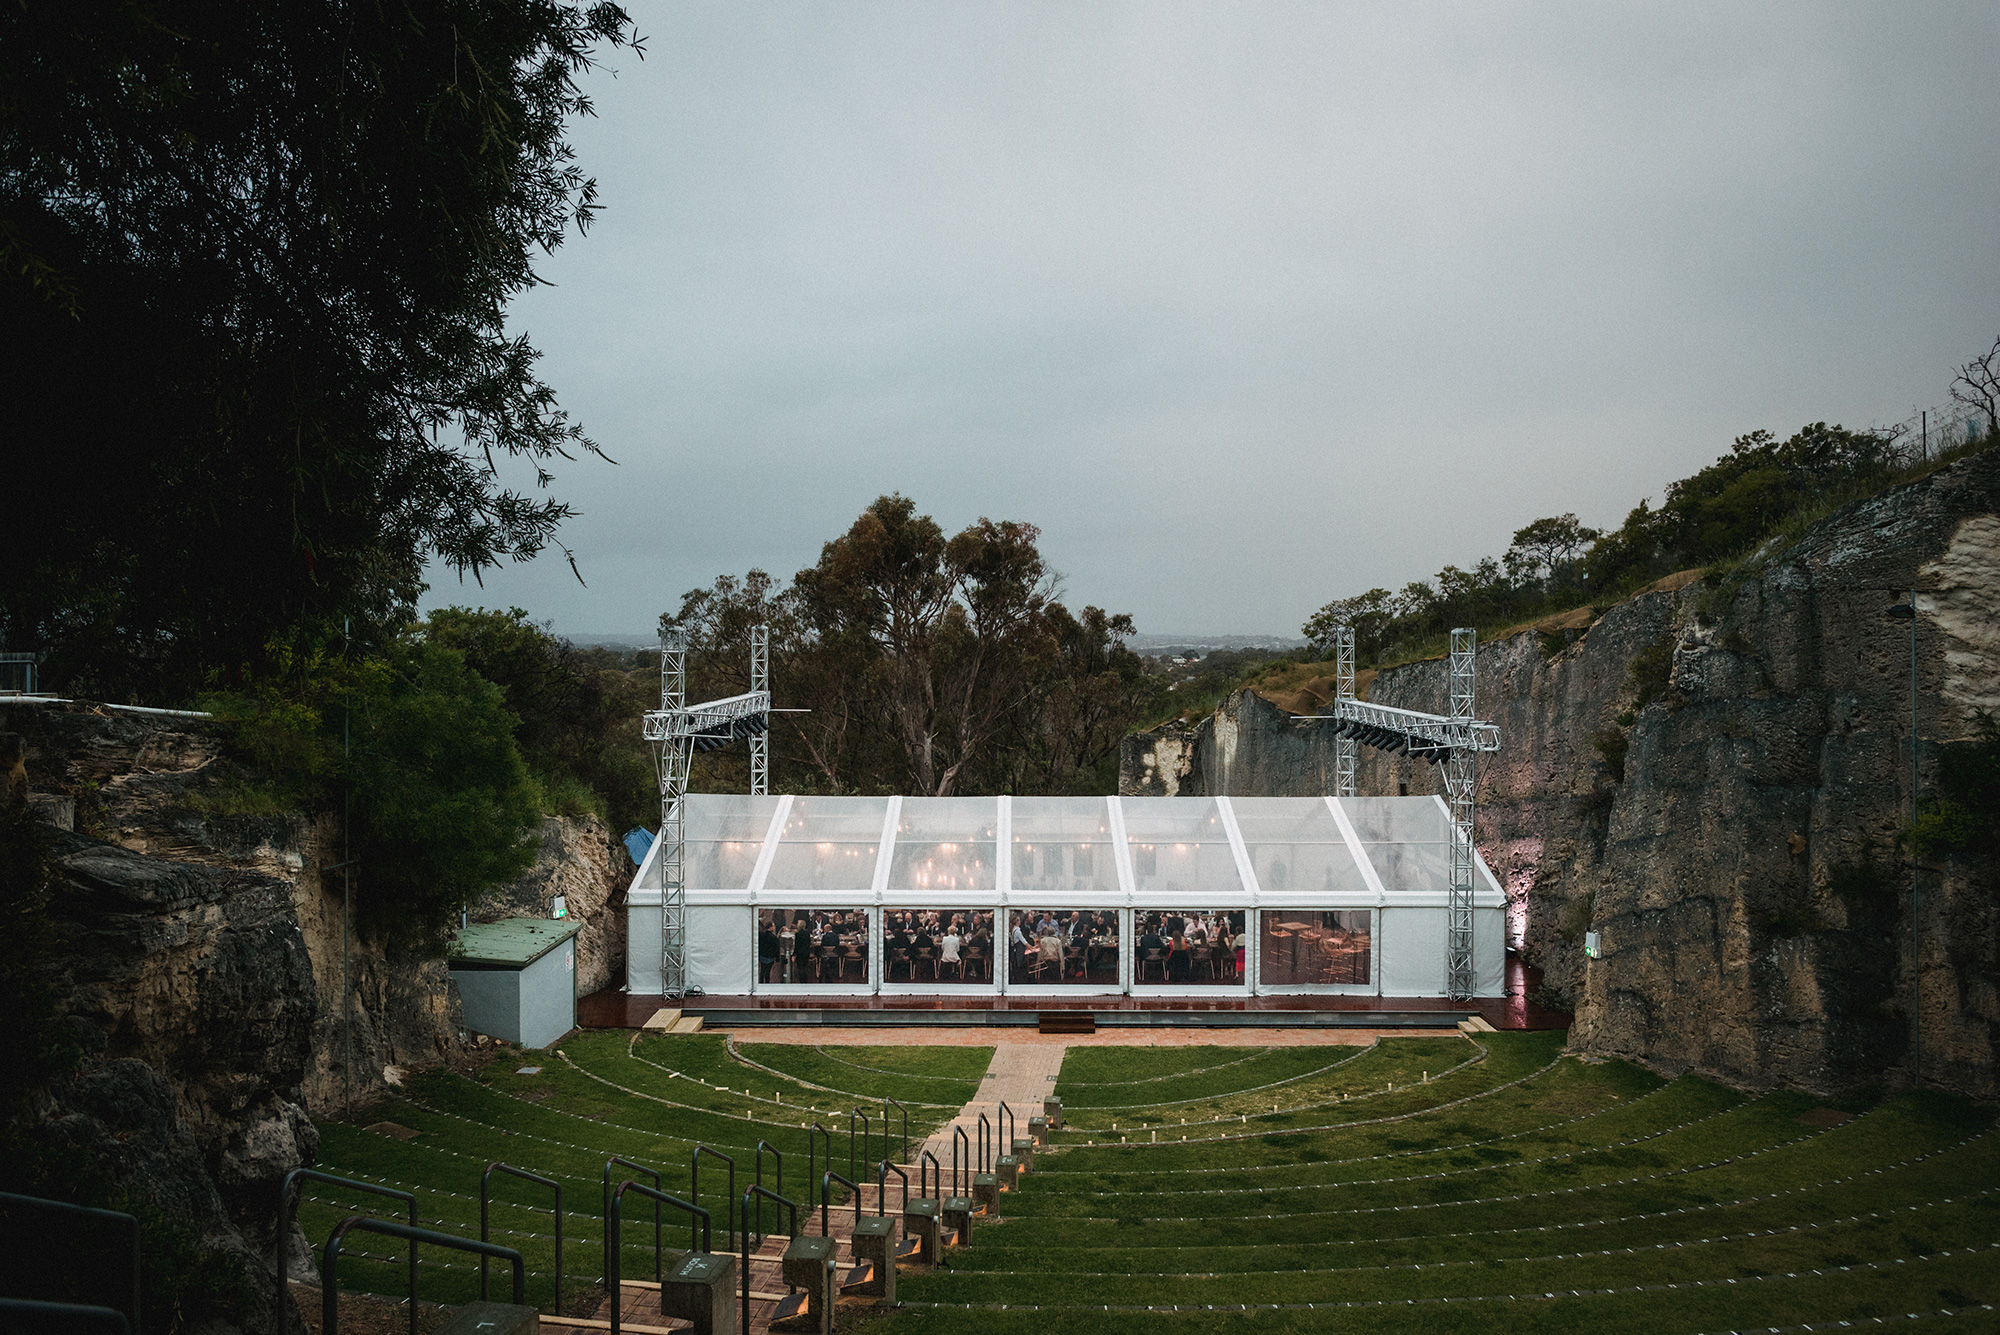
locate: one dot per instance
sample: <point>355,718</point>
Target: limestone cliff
<point>201,968</point>
<point>579,860</point>
<point>1712,777</point>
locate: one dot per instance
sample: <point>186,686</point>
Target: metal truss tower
<point>673,754</point>
<point>679,730</point>
<point>1461,779</point>
<point>760,683</point>
<point>1452,741</point>
<point>1346,751</point>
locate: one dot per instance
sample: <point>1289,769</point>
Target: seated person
<point>1051,952</point>
<point>949,946</point>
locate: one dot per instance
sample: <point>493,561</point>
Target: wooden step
<point>1066,1022</point>
<point>592,1323</point>
<point>687,1024</point>
<point>664,1019</point>
<point>652,1287</point>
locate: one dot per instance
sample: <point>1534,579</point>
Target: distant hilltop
<point>1160,645</point>
<point>1155,645</point>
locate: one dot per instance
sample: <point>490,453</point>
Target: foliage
<point>1965,817</point>
<point>1546,551</point>
<point>257,263</point>
<point>1761,496</point>
<point>1652,671</point>
<point>419,751</point>
<point>578,714</point>
<point>925,664</point>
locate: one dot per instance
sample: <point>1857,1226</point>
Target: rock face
<point>150,784</point>
<point>201,973</point>
<point>190,992</point>
<point>1712,778</point>
<point>580,861</point>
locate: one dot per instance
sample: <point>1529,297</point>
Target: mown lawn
<point>1432,1184</point>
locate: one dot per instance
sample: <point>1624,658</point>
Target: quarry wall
<point>1712,776</point>
<point>200,970</point>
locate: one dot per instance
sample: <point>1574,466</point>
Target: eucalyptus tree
<point>257,260</point>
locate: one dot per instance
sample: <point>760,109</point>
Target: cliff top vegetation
<point>1747,507</point>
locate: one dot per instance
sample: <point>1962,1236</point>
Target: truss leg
<point>1346,751</point>
<point>760,680</point>
<point>1461,780</point>
<point>674,756</point>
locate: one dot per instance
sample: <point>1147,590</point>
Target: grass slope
<point>1513,1187</point>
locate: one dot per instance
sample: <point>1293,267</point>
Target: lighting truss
<point>1452,741</point>
<point>760,684</point>
<point>1346,750</point>
<point>679,731</point>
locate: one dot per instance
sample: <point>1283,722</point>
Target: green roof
<point>519,941</point>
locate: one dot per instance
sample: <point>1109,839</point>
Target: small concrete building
<point>517,978</point>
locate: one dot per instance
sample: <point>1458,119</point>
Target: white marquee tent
<point>1365,875</point>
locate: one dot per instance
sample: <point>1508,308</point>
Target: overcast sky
<point>1247,305</point>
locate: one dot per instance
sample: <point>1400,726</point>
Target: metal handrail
<point>610,1244</point>
<point>1007,1141</point>
<point>329,1266</point>
<point>866,1131</point>
<point>761,1193</point>
<point>288,1202</point>
<point>130,1225</point>
<point>960,1177</point>
<point>886,1101</point>
<point>928,1158</point>
<point>985,1145</point>
<point>778,1155</point>
<point>485,1189</point>
<point>694,1186</point>
<point>882,1186</point>
<point>826,1182</point>
<point>79,1312</point>
<point>812,1158</point>
<point>697,1241</point>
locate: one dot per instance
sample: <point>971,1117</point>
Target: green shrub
<point>1652,670</point>
<point>418,751</point>
<point>1965,817</point>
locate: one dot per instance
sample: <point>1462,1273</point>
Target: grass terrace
<point>648,1098</point>
<point>1425,1184</point>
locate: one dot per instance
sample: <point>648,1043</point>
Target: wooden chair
<point>926,959</point>
<point>975,963</point>
<point>1158,960</point>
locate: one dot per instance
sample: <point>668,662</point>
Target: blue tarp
<point>638,842</point>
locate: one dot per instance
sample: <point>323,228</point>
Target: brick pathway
<point>1021,1075</point>
<point>980,1036</point>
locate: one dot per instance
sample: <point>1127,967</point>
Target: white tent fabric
<point>1386,857</point>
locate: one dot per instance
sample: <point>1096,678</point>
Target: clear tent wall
<point>1029,896</point>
